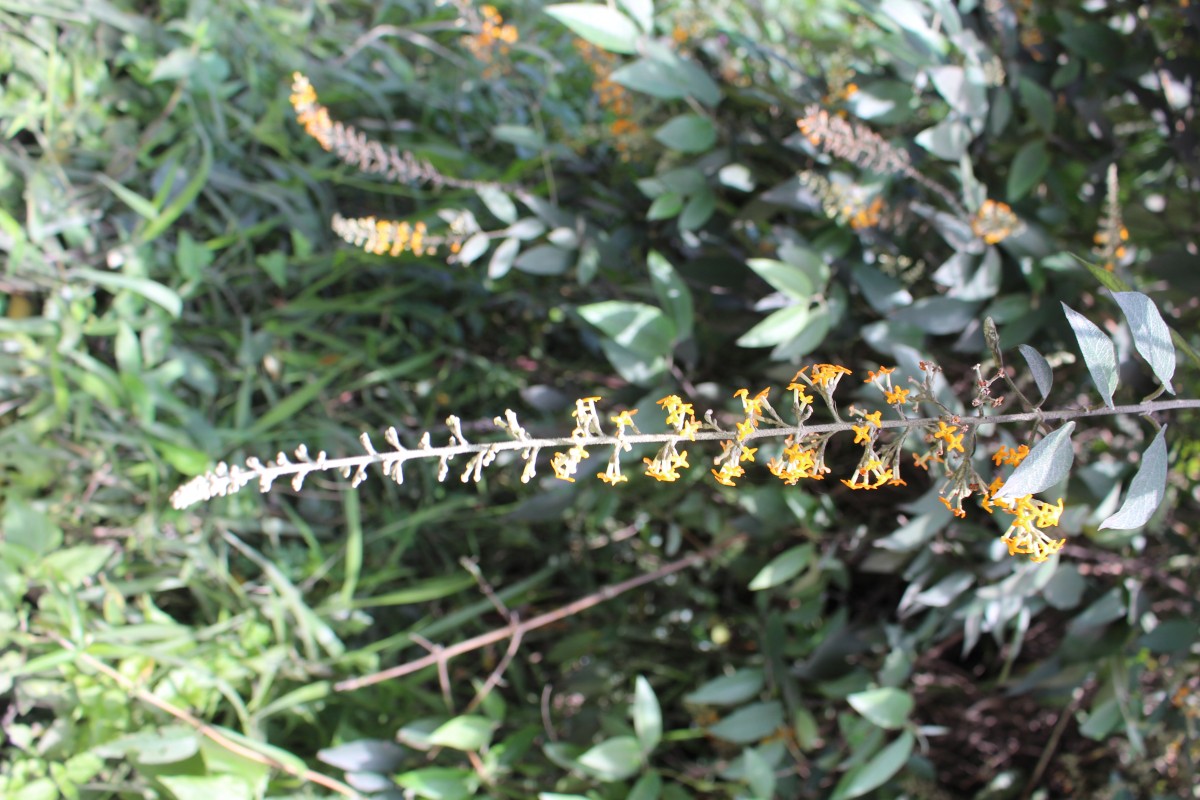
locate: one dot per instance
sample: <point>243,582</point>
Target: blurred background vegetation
<point>173,296</point>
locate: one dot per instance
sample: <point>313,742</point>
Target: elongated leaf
<point>783,567</point>
<point>1151,336</point>
<point>787,278</point>
<point>1027,169</point>
<point>750,723</point>
<point>152,291</point>
<point>687,133</point>
<point>1043,376</point>
<point>870,776</point>
<point>468,732</point>
<point>778,327</point>
<point>1047,463</point>
<point>603,26</point>
<point>1146,490</point>
<point>647,716</point>
<point>614,759</point>
<point>759,774</point>
<point>673,293</point>
<point>1111,281</point>
<point>728,690</point>
<point>887,707</point>
<point>1098,353</point>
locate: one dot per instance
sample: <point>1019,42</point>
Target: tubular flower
<point>665,466</point>
<point>587,424</point>
<point>995,222</point>
<point>797,463</point>
<point>1024,536</point>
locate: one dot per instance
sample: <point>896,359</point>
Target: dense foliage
<point>231,228</point>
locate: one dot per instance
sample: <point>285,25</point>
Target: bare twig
<point>520,629</point>
<point>203,728</point>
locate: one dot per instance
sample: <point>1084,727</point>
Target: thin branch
<point>520,629</point>
<point>203,728</point>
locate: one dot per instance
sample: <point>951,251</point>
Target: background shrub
<point>623,205</point>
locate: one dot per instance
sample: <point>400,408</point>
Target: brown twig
<point>203,728</point>
<point>521,629</point>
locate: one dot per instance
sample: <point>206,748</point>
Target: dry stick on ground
<point>203,728</point>
<point>517,629</point>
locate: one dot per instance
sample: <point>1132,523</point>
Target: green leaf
<point>638,326</point>
<point>750,723</point>
<point>687,133</point>
<point>207,787</point>
<point>668,76</point>
<point>498,202</point>
<point>545,259</point>
<point>648,787</point>
<point>759,775</point>
<point>698,210</point>
<point>1146,490</point>
<point>519,136</point>
<point>883,292</point>
<point>439,783</point>
<point>947,140</point>
<point>1098,353</point>
<point>141,205</point>
<point>1043,376</point>
<point>1028,167</point>
<point>467,732</point>
<point>790,279</point>
<point>152,291</point>
<point>601,25</point>
<point>647,716</point>
<point>876,772</point>
<point>503,257</point>
<point>473,248</point>
<point>364,755</point>
<point>887,707</point>
<point>75,564</point>
<point>642,12</point>
<point>1151,336</point>
<point>673,294</point>
<point>728,690</point>
<point>783,567</point>
<point>963,88</point>
<point>30,528</point>
<point>1048,463</point>
<point>614,759</point>
<point>640,337</point>
<point>665,206</point>
<point>180,202</point>
<point>779,326</point>
<point>1038,101</point>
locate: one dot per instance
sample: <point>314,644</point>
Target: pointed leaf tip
<point>1146,490</point>
<point>1047,463</point>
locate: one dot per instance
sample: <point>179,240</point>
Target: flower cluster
<point>995,222</point>
<point>1110,241</point>
<point>668,461</point>
<point>587,425</point>
<point>613,97</point>
<point>846,202</point>
<point>1025,535</point>
<point>951,445</point>
<point>495,35</point>
<point>381,236</point>
<point>353,148</point>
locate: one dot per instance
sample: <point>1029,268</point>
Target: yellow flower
<point>875,418</point>
<point>862,433</point>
